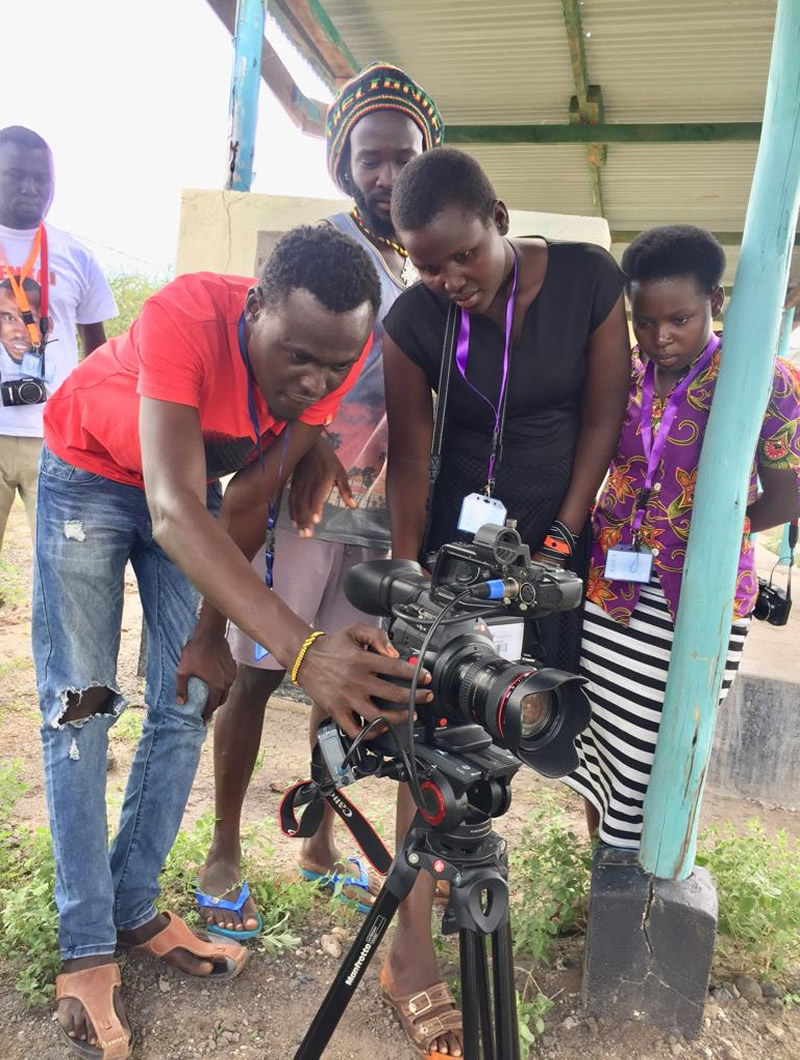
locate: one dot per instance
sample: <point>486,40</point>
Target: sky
<point>133,99</point>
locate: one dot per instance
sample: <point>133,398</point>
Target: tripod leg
<point>475,1006</point>
<point>505,998</point>
<point>353,966</point>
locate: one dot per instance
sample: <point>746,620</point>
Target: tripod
<point>473,858</point>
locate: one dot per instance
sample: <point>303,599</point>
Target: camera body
<point>531,710</point>
<point>773,605</point>
<point>25,391</point>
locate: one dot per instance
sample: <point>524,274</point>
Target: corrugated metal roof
<point>553,179</point>
<point>508,61</point>
<point>483,62</point>
<point>679,60</point>
<point>706,184</point>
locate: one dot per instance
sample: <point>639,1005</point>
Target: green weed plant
<point>758,885</point>
<point>549,877</point>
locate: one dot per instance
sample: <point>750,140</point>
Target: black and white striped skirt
<point>626,668</point>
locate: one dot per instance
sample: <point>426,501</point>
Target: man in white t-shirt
<point>70,292</point>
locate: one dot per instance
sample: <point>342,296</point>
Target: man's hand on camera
<point>209,658</point>
<point>312,481</point>
<point>342,671</point>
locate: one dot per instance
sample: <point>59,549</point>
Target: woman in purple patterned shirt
<point>673,278</point>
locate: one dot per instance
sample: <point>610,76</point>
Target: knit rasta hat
<point>379,86</point>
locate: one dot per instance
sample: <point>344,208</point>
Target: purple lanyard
<point>462,356</point>
<point>654,447</point>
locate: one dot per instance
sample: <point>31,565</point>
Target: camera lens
<point>30,392</point>
<point>536,713</point>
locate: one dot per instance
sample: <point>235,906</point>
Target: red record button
<point>438,866</point>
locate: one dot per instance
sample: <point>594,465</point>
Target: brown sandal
<point>177,935</point>
<point>94,989</point>
<point>425,1016</point>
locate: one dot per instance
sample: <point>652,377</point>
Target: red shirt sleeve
<point>324,411</point>
<point>171,366</point>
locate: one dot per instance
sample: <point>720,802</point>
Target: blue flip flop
<point>208,901</point>
<point>336,882</point>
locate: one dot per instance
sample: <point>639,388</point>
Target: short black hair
<point>325,262</point>
<point>435,180</point>
<point>674,250</point>
<point>18,134</point>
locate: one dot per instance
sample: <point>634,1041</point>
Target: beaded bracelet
<point>302,653</point>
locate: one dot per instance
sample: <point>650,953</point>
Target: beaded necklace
<point>359,220</point>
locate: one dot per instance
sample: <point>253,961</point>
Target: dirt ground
<point>264,1013</point>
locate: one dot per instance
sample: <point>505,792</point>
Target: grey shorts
<point>309,577</point>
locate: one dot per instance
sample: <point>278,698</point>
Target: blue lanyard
<point>252,407</point>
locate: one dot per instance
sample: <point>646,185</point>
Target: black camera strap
<point>792,536</point>
<point>439,418</point>
<point>310,794</point>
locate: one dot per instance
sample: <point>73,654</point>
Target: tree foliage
<point>131,290</point>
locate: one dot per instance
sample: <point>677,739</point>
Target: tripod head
<point>462,776</point>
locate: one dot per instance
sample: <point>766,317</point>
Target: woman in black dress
<point>558,310</point>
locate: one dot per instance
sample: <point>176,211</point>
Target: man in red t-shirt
<point>218,375</point>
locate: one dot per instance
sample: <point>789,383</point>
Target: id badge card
<point>32,364</point>
<point>626,564</point>
<point>477,510</point>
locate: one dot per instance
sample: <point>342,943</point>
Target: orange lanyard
<point>36,332</point>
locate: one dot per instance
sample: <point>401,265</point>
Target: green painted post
<point>787,327</point>
<point>785,552</point>
<point>245,84</point>
<point>608,133</point>
<point>673,799</point>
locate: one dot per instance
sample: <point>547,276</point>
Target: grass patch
<point>550,872</point>
<point>128,726</point>
<point>15,666</point>
<point>758,884</point>
<point>12,584</point>
<point>28,916</point>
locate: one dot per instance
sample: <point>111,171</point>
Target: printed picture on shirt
<point>365,460</point>
<point>14,337</point>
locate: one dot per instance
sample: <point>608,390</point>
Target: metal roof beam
<point>307,114</point>
<point>614,133</point>
<point>586,107</point>
<point>307,24</point>
<point>727,239</point>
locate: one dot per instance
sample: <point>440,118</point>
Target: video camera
<point>487,714</point>
<point>458,753</point>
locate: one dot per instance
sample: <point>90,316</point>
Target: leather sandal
<point>425,1016</point>
<point>94,989</point>
<point>228,958</point>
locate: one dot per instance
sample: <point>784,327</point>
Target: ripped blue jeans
<point>88,528</point>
